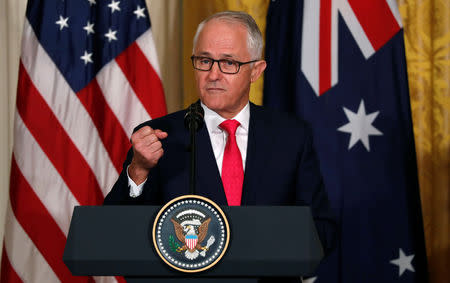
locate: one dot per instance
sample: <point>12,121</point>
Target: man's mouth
<point>214,89</point>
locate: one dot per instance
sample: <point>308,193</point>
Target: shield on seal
<point>191,241</point>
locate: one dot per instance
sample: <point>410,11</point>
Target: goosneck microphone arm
<point>193,121</point>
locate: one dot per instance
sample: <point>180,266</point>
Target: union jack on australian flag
<point>340,65</point>
<point>88,74</point>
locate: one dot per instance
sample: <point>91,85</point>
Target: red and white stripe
<point>372,23</point>
<point>191,243</point>
<point>68,151</point>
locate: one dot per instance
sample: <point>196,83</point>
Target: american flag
<point>88,75</point>
<point>340,65</point>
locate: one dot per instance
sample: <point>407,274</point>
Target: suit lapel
<point>209,182</point>
<point>257,142</point>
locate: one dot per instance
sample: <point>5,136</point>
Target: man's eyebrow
<point>221,56</point>
<point>204,53</point>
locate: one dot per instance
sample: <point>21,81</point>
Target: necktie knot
<point>230,126</point>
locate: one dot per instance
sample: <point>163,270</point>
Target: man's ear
<point>257,70</point>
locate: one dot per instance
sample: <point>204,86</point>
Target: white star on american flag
<point>89,28</point>
<point>139,12</point>
<point>62,22</point>
<point>114,6</point>
<point>91,2</point>
<point>111,35</point>
<point>87,58</point>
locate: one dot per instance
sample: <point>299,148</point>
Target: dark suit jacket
<point>281,168</point>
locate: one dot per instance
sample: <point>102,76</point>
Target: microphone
<point>193,120</point>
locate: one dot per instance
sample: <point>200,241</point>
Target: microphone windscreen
<point>194,116</point>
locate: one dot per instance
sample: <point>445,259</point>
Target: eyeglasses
<point>226,66</point>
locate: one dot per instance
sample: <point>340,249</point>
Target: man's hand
<point>147,150</point>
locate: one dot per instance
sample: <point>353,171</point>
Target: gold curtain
<point>427,41</point>
<point>194,11</point>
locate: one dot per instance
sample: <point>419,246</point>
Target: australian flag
<point>340,65</point>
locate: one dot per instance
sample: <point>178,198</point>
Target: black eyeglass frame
<point>218,64</point>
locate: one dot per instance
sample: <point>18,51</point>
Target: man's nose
<point>215,72</point>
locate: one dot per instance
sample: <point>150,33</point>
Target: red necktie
<point>232,169</point>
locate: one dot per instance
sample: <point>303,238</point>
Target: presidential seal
<point>191,233</point>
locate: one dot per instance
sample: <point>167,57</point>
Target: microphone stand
<point>192,130</point>
<point>193,120</point>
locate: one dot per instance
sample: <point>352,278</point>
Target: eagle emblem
<point>191,234</point>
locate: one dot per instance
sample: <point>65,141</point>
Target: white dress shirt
<point>218,138</point>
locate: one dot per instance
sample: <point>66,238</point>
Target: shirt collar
<point>213,120</point>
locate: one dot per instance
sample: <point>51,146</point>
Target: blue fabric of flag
<point>43,16</point>
<point>374,192</point>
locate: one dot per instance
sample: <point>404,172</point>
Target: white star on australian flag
<point>403,262</point>
<point>309,280</point>
<point>360,126</point>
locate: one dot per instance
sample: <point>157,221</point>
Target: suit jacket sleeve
<point>120,192</point>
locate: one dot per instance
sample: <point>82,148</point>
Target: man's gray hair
<point>254,36</point>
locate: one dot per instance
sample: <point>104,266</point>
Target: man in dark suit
<point>267,158</point>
